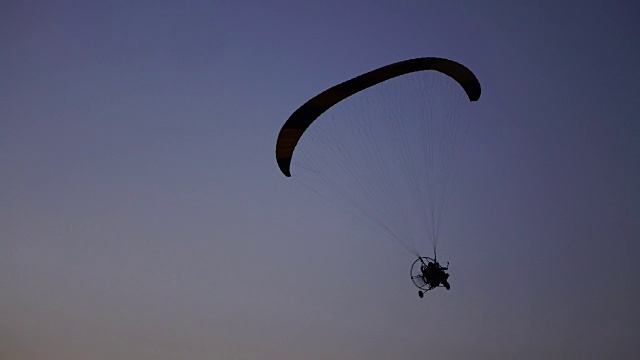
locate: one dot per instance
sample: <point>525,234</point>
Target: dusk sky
<point>143,215</point>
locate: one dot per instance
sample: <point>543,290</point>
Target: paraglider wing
<point>302,118</point>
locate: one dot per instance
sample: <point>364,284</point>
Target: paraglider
<point>427,274</point>
<point>392,161</point>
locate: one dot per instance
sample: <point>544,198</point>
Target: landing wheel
<point>421,294</point>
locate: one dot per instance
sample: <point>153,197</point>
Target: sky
<point>143,216</point>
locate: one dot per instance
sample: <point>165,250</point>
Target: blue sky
<point>143,215</point>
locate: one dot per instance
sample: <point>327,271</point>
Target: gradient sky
<point>142,214</point>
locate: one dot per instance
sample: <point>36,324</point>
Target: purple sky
<point>143,216</point>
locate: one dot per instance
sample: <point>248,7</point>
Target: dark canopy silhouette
<point>302,118</point>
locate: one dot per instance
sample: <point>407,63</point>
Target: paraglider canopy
<point>300,120</point>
